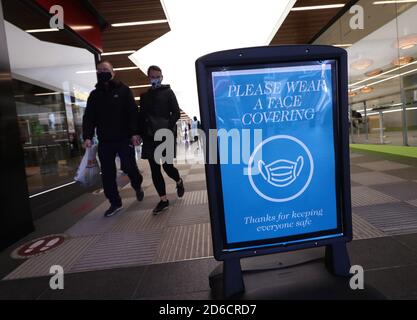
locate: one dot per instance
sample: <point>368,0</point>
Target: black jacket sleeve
<point>132,113</point>
<point>174,109</point>
<point>89,119</point>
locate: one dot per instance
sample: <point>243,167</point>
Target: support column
<point>15,215</point>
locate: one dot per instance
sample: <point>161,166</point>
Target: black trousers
<point>107,154</point>
<point>158,179</point>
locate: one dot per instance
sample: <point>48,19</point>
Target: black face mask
<point>104,76</point>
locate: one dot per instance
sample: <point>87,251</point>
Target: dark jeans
<point>158,179</point>
<point>107,154</point>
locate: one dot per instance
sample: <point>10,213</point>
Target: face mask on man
<point>104,76</point>
<point>156,82</point>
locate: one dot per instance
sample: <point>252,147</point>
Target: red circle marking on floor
<point>39,246</point>
<point>84,208</point>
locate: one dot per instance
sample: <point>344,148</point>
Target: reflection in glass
<point>50,99</point>
<point>382,72</point>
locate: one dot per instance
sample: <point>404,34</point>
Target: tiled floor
<point>137,255</point>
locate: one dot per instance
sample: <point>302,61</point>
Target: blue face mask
<point>156,82</point>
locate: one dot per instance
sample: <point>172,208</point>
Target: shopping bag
<point>88,173</point>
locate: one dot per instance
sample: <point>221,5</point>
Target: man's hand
<point>136,140</point>
<point>87,143</point>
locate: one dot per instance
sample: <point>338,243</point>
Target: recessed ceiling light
<point>394,2</point>
<point>342,45</point>
<point>367,89</point>
<point>138,23</point>
<point>125,68</point>
<point>320,7</point>
<point>140,86</point>
<point>117,52</point>
<point>137,98</point>
<point>373,73</point>
<point>42,30</point>
<point>381,74</point>
<point>361,64</point>
<point>386,79</point>
<point>399,110</point>
<point>401,61</point>
<point>82,28</point>
<point>352,93</point>
<point>406,42</point>
<point>47,94</point>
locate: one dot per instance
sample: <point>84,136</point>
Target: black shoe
<point>112,210</point>
<point>162,205</point>
<point>140,194</point>
<point>180,189</point>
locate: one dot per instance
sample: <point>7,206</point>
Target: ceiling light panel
<point>41,30</point>
<point>137,23</point>
<point>237,24</point>
<point>117,53</point>
<point>320,7</point>
<point>393,2</point>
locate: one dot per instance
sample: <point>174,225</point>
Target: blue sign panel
<point>287,185</point>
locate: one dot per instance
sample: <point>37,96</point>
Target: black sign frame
<point>274,55</point>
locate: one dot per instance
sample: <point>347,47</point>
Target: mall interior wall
<point>49,95</point>
<point>15,216</point>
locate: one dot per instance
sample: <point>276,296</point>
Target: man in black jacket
<point>159,110</point>
<point>111,109</point>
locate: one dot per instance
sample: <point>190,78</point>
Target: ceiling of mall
<point>298,28</point>
<point>385,24</point>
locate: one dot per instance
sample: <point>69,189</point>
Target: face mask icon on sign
<point>281,173</point>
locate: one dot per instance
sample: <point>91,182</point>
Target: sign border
<point>262,56</point>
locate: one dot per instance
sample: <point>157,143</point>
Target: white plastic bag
<point>88,173</point>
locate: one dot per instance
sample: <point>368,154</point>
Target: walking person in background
<point>195,125</point>
<point>159,108</point>
<point>186,140</point>
<point>112,110</point>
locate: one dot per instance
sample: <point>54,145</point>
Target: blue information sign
<point>287,187</point>
<point>281,178</point>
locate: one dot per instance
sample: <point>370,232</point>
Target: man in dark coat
<point>112,110</point>
<point>159,110</point>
